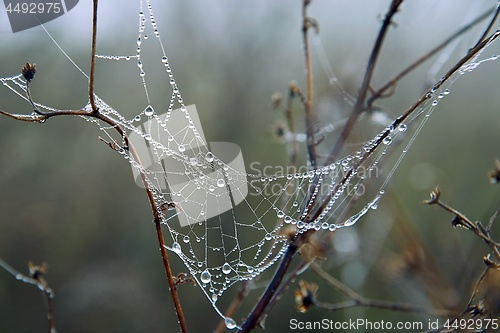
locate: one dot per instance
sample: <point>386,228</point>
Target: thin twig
<point>358,300</point>
<point>95,114</point>
<point>92,60</point>
<point>287,283</point>
<point>235,304</point>
<point>294,149</point>
<point>463,221</point>
<point>392,82</point>
<point>426,96</point>
<point>259,310</point>
<point>365,85</point>
<point>490,25</point>
<point>476,287</point>
<point>42,285</point>
<point>311,144</point>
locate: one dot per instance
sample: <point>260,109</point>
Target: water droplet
<point>149,111</point>
<point>164,59</point>
<point>209,157</point>
<point>435,102</point>
<point>185,239</point>
<point>214,298</point>
<point>230,323</point>
<point>387,140</point>
<point>250,269</point>
<point>176,247</point>
<point>193,161</point>
<point>205,276</point>
<point>226,268</point>
<point>268,237</point>
<point>447,91</point>
<point>374,206</point>
<point>211,188</point>
<point>402,127</point>
<point>221,182</point>
<point>332,227</point>
<point>281,214</point>
<point>182,148</point>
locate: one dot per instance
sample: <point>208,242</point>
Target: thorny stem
<point>365,85</point>
<point>41,285</point>
<point>381,92</point>
<point>358,300</point>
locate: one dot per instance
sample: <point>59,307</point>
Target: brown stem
<point>235,304</point>
<point>311,144</point>
<point>365,85</point>
<point>358,300</point>
<point>490,25</point>
<point>42,285</point>
<point>287,283</point>
<point>427,95</point>
<point>476,228</point>
<point>259,310</point>
<point>92,60</point>
<point>392,82</point>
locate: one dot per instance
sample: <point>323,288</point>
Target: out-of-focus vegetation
<point>67,199</point>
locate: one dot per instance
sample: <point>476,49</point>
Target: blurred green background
<point>68,200</point>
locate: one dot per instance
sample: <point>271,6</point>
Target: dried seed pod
<point>28,71</point>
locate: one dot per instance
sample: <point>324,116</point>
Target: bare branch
<point>391,84</point>
<point>93,58</point>
<point>37,280</point>
<point>311,144</point>
<point>365,85</point>
<point>358,300</point>
<point>463,221</point>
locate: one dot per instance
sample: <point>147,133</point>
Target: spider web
<point>227,225</point>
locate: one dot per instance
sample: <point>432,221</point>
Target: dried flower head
<point>495,174</point>
<point>169,206</point>
<point>36,271</point>
<point>434,197</point>
<point>277,99</point>
<point>28,71</point>
<point>294,89</point>
<point>305,297</point>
